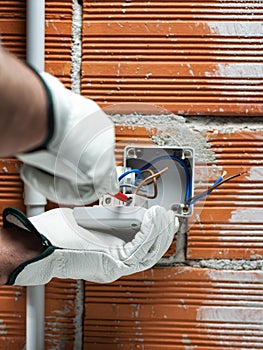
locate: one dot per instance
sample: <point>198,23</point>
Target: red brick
<point>201,58</point>
<point>176,308</point>
<point>230,225</point>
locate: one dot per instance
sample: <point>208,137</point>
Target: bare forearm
<point>16,247</point>
<point>23,107</point>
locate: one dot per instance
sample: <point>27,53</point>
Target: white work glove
<point>74,252</point>
<point>77,164</point>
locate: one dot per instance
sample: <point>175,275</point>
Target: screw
<point>108,200</point>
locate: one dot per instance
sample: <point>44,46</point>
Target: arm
<point>71,251</point>
<point>64,129</point>
<point>71,168</point>
<point>16,246</point>
<point>23,106</point>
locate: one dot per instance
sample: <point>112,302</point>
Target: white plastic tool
<point>117,218</point>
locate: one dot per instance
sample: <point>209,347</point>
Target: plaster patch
<point>230,314</point>
<point>3,330</point>
<point>233,276</point>
<point>247,215</point>
<point>239,70</point>
<point>172,131</point>
<point>255,174</point>
<point>237,28</point>
<point>185,339</point>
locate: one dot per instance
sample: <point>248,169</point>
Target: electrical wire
<point>182,163</point>
<point>138,171</point>
<point>129,186</point>
<point>188,201</point>
<point>120,196</point>
<point>145,183</point>
<point>148,165</point>
<point>153,177</point>
<point>207,192</point>
<point>146,180</point>
<point>217,184</point>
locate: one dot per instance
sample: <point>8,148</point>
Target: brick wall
<point>61,296</point>
<point>201,60</point>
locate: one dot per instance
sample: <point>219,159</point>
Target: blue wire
<point>138,171</point>
<point>217,182</point>
<point>188,177</point>
<point>181,162</point>
<point>207,193</point>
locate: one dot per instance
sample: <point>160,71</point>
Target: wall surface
<point>200,60</point>
<point>62,296</point>
<point>192,57</point>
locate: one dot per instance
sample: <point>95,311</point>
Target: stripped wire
<point>149,164</point>
<point>217,184</point>
<point>188,200</point>
<point>207,192</point>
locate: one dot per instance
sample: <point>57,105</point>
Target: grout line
<point>179,258</point>
<point>214,264</point>
<point>79,314</point>
<point>76,54</point>
<point>181,244</point>
<point>224,123</point>
<point>181,240</point>
<point>227,264</point>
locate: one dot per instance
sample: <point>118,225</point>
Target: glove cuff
<point>14,217</point>
<point>50,112</point>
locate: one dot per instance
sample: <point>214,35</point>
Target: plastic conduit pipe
<point>34,201</point>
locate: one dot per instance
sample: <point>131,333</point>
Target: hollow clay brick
<point>176,308</point>
<point>195,58</point>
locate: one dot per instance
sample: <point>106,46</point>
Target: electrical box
<point>174,186</point>
<point>151,176</point>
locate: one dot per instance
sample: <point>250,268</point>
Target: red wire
<point>121,197</point>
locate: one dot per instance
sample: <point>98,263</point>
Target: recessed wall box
<point>174,186</point>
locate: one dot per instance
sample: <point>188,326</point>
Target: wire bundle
<point>152,178</point>
<point>220,181</point>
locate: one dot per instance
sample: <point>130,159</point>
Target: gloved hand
<point>74,252</point>
<point>77,164</point>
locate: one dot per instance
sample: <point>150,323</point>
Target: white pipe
<point>36,33</point>
<point>35,297</point>
<point>35,202</point>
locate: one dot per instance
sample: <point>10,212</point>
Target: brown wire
<point>151,180</point>
<point>153,177</point>
<point>213,187</point>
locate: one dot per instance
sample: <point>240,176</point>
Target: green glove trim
<point>29,226</point>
